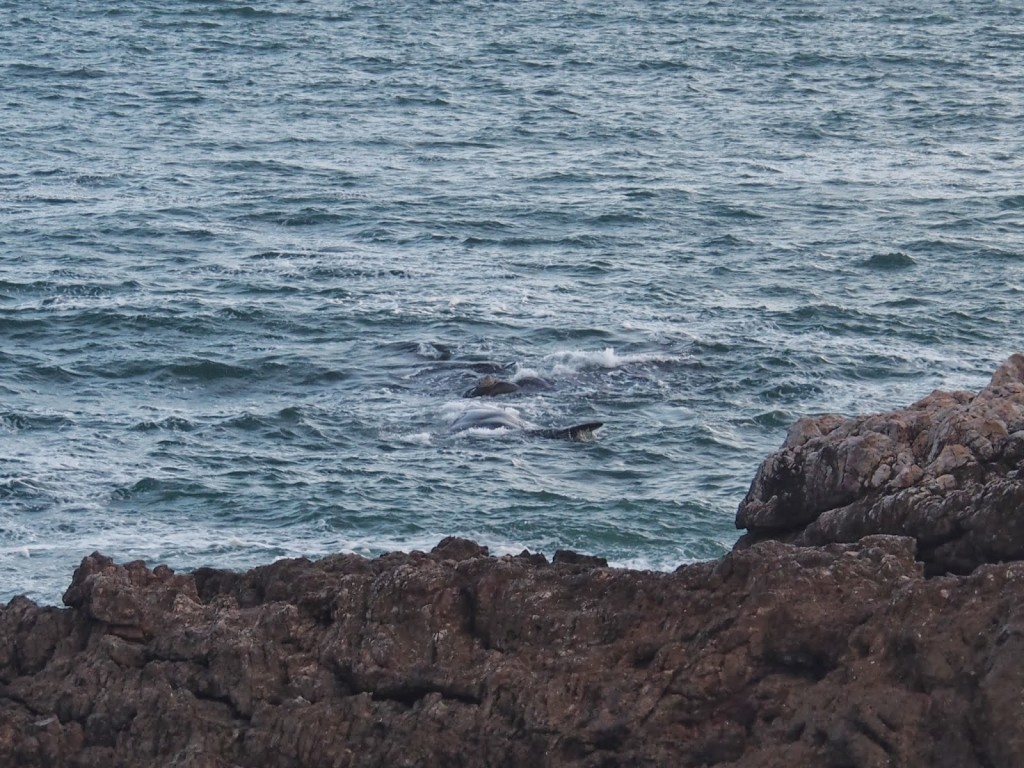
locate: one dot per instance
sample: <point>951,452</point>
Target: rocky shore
<point>946,471</point>
<point>872,615</point>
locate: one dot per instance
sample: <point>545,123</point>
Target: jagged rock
<point>568,557</point>
<point>946,471</point>
<point>774,655</point>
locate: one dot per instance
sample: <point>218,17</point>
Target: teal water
<point>252,255</point>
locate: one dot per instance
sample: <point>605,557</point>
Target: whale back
<point>487,417</point>
<point>490,386</point>
<point>495,417</point>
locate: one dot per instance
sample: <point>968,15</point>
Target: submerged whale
<point>492,386</point>
<point>493,417</point>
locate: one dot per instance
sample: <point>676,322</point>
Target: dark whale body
<point>493,417</point>
<point>492,386</point>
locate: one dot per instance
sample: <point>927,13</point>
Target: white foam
<point>571,361</point>
<point>429,351</point>
<point>453,410</point>
<point>663,565</point>
<point>526,373</point>
<point>416,438</point>
<point>485,432</point>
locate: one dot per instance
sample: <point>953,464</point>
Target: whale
<point>494,417</point>
<point>492,386</point>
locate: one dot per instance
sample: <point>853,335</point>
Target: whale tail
<point>579,433</point>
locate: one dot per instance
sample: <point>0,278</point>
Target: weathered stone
<point>947,471</point>
<point>774,655</point>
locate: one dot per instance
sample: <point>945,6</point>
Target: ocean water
<point>252,254</point>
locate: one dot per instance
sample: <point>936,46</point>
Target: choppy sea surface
<point>252,254</point>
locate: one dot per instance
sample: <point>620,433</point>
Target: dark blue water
<point>252,255</point>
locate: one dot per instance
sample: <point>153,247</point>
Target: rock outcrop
<point>946,471</point>
<point>771,656</point>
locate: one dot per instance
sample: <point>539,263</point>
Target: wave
<point>202,369</point>
<point>893,260</point>
<point>169,424</point>
<point>21,488</point>
<point>14,421</point>
<point>304,217</point>
<point>570,361</point>
<point>165,489</point>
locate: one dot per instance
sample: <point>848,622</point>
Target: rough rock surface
<point>773,656</point>
<point>946,471</point>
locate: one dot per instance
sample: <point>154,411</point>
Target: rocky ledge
<point>838,653</point>
<point>946,471</point>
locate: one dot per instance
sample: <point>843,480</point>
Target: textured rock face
<point>772,656</point>
<point>946,471</point>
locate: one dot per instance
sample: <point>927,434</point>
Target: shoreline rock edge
<point>947,471</point>
<point>822,639</point>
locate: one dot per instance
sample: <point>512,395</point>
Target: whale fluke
<point>579,433</point>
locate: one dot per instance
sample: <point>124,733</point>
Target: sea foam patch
<point>571,361</point>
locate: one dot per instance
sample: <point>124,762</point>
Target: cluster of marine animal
<point>495,417</point>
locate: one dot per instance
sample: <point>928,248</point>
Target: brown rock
<point>774,655</point>
<point>947,471</point>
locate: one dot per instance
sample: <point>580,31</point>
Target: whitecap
<point>572,361</point>
<point>416,438</point>
<point>429,351</point>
